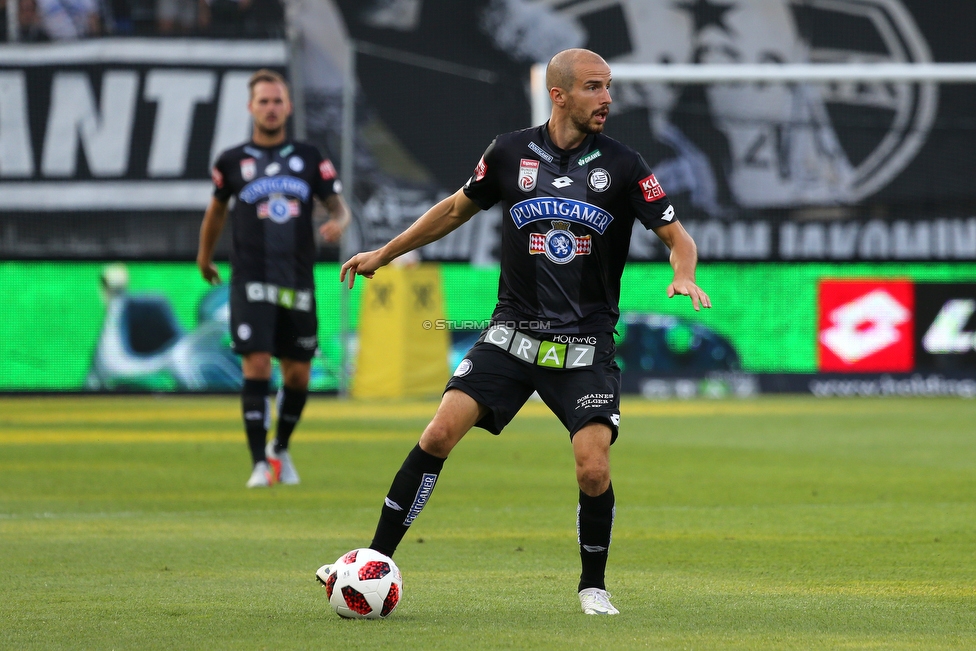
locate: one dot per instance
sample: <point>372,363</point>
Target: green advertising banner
<point>77,326</point>
<point>156,326</point>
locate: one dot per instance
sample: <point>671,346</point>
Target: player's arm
<point>441,219</point>
<point>210,229</point>
<point>684,259</point>
<point>339,218</point>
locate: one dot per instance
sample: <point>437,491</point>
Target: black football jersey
<point>272,231</point>
<point>566,225</point>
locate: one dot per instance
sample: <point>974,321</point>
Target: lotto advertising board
<point>895,327</point>
<point>827,329</point>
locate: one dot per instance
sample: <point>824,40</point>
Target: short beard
<point>583,125</point>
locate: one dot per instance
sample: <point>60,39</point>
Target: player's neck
<point>564,134</point>
<point>264,139</point>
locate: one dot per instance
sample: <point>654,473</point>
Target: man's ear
<point>557,95</point>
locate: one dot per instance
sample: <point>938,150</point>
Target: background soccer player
<point>570,196</point>
<point>272,296</point>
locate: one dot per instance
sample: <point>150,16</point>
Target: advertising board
<point>156,326</point>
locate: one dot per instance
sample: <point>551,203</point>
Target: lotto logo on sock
<point>866,326</point>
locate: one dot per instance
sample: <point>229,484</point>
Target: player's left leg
<point>591,448</point>
<point>587,401</point>
<point>296,340</point>
<point>291,400</point>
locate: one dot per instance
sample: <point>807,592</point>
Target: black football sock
<point>254,404</point>
<point>291,402</point>
<point>594,525</point>
<point>411,489</point>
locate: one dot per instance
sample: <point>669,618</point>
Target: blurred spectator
<point>265,19</point>
<point>223,18</point>
<point>176,17</point>
<point>242,18</point>
<point>69,19</point>
<point>30,28</point>
<point>59,20</point>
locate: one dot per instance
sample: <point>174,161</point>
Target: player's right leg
<point>252,333</point>
<point>414,482</point>
<point>255,407</point>
<point>487,390</point>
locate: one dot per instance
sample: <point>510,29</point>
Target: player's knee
<point>593,478</point>
<point>438,439</point>
<point>257,365</point>
<point>297,379</point>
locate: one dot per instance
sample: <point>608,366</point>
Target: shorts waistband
<point>574,351</point>
<point>292,299</point>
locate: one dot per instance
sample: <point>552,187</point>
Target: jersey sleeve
<point>651,204</point>
<point>483,186</point>
<point>327,181</point>
<point>221,179</point>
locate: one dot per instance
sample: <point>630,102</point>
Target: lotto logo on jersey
<point>218,178</point>
<point>866,326</point>
<point>327,170</point>
<point>528,174</point>
<point>651,188</point>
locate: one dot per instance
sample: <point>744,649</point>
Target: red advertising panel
<point>866,326</point>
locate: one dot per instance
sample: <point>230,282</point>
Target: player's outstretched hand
<point>362,264</point>
<point>699,298</point>
<point>209,272</point>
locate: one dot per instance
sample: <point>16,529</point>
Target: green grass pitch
<point>775,523</point>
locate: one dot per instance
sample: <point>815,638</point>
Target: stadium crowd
<point>64,20</point>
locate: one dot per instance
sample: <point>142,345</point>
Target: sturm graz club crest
<point>559,244</point>
<point>279,208</point>
<point>598,180</point>
<point>770,145</point>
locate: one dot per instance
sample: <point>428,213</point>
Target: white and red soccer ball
<point>362,584</point>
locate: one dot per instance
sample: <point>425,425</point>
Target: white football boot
<point>285,467</point>
<point>322,574</point>
<point>261,476</point>
<point>596,602</point>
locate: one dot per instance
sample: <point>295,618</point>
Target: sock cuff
<point>293,394</point>
<point>424,461</point>
<point>256,387</point>
<point>605,500</point>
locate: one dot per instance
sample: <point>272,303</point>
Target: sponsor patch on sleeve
<point>327,170</point>
<point>651,188</point>
<point>218,178</point>
<point>480,170</point>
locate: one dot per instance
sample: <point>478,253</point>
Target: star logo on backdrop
<point>707,14</point>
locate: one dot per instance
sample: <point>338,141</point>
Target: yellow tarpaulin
<point>403,351</point>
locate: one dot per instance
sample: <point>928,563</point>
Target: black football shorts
<point>259,322</point>
<point>575,375</point>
